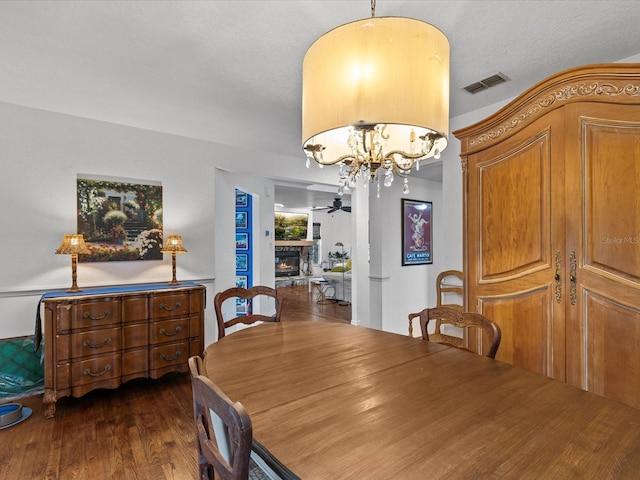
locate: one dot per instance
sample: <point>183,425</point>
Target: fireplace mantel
<point>294,243</point>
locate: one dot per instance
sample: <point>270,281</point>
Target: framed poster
<point>241,198</point>
<point>417,234</point>
<point>242,262</point>
<point>242,241</point>
<point>241,220</point>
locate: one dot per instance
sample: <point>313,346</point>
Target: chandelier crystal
<point>375,99</point>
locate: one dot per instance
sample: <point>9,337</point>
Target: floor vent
<point>488,82</point>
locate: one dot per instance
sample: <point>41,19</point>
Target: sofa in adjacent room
<point>340,278</point>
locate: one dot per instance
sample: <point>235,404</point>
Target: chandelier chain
<point>373,8</point>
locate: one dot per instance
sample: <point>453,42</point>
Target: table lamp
<point>73,245</point>
<point>174,246</point>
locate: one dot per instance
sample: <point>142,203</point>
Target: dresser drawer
<point>135,336</point>
<point>96,369</point>
<point>135,362</point>
<point>169,331</point>
<point>169,305</point>
<point>87,314</point>
<point>135,308</point>
<point>168,355</point>
<point>93,342</point>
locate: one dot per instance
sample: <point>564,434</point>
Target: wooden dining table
<point>337,401</point>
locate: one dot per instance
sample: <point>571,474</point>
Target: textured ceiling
<point>230,71</point>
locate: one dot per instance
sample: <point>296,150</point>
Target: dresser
<point>103,337</point>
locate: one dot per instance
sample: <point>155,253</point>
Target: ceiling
<point>230,71</point>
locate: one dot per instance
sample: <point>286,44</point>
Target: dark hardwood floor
<point>142,430</point>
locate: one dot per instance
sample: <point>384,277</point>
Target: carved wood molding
<point>565,94</point>
<point>608,83</point>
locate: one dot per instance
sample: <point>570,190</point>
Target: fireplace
<point>287,261</point>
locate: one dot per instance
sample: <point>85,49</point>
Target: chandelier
<point>375,99</point>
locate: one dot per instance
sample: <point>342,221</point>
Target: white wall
<point>396,290</point>
<point>42,153</point>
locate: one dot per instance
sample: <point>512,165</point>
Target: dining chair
<point>223,430</point>
<point>248,294</point>
<point>453,316</point>
<point>224,436</point>
<point>448,283</point>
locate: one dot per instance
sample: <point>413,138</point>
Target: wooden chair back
<point>444,287</point>
<point>223,430</point>
<point>447,283</point>
<point>247,294</point>
<point>453,316</point>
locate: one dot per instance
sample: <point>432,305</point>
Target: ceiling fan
<point>337,205</point>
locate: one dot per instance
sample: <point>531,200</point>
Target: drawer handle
<point>88,315</point>
<point>167,334</point>
<point>87,343</point>
<point>169,309</point>
<point>171,359</point>
<point>87,371</point>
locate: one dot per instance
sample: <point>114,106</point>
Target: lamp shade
<point>387,70</point>
<point>174,245</point>
<point>73,244</point>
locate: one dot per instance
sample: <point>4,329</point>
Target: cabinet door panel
<point>514,244</point>
<point>603,218</point>
<point>612,331</point>
<point>526,325</point>
<point>611,205</point>
<point>514,216</point>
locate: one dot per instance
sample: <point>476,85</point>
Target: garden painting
<point>120,220</point>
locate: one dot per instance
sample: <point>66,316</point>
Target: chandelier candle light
<point>174,246</point>
<point>73,245</point>
<point>375,99</point>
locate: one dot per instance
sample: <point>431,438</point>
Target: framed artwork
<point>242,262</point>
<point>291,226</point>
<point>241,198</point>
<point>417,234</point>
<point>242,241</point>
<point>242,306</point>
<point>120,219</point>
<point>241,281</point>
<point>241,220</point>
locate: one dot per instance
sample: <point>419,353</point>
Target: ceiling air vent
<point>488,82</point>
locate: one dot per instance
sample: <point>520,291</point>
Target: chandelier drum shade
<point>375,98</point>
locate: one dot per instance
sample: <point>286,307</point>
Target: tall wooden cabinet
<point>103,337</point>
<point>552,227</point>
